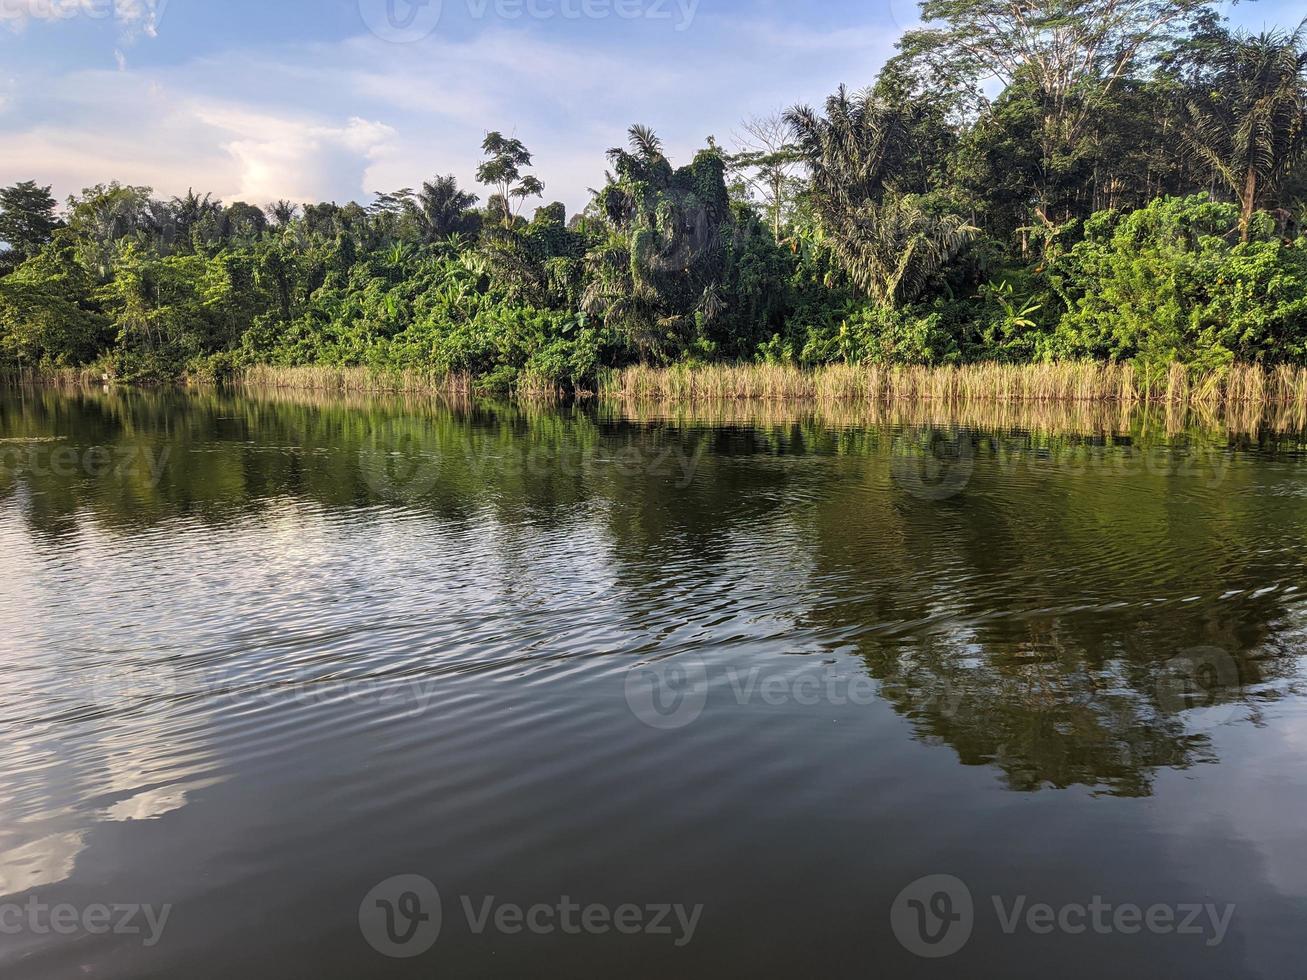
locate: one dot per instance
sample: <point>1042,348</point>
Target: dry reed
<point>1073,381</point>
<point>353,379</point>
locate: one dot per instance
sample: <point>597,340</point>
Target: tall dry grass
<point>352,379</point>
<point>1075,381</point>
<point>372,380</point>
<point>82,377</point>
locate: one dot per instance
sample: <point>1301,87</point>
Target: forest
<point>1063,180</point>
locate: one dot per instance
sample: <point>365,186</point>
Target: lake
<point>298,685</point>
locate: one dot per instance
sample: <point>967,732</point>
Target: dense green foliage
<point>1134,191</point>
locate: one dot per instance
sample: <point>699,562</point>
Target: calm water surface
<point>260,655</point>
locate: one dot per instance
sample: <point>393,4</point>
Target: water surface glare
<point>646,691</point>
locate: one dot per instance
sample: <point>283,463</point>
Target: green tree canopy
<point>27,220</point>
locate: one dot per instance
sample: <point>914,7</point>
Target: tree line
<point>1022,181</point>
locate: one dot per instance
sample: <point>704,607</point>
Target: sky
<point>308,100</point>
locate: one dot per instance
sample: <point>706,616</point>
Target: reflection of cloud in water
<point>91,731</point>
<point>153,804</point>
<point>39,863</point>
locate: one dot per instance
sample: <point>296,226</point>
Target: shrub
<point>1172,282</point>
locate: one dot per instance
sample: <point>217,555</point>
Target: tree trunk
<point>778,188</point>
<point>1249,202</point>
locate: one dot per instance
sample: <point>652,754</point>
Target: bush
<point>1172,282</point>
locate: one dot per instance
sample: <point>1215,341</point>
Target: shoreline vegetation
<point>1130,233</point>
<point>414,399</point>
<point>1179,385</point>
<point>984,382</point>
<point>1283,386</point>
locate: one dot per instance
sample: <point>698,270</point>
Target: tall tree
<point>657,276</point>
<point>506,158</point>
<point>1072,53</point>
<point>768,162</point>
<point>889,244</point>
<point>193,213</point>
<point>243,221</point>
<point>852,152</point>
<point>103,215</point>
<point>443,209</point>
<point>27,220</point>
<point>1250,127</point>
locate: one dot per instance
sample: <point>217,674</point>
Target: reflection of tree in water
<point>1055,719</point>
<point>1029,622</point>
<point>1038,624</point>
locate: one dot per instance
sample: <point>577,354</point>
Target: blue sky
<point>334,99</point>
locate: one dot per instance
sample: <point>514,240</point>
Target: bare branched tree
<point>769,164</point>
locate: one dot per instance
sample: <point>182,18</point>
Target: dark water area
<point>365,688</point>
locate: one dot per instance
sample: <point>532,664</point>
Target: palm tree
<point>443,209</point>
<point>850,152</point>
<point>645,142</point>
<point>888,243</point>
<point>892,250</point>
<point>1250,130</point>
<point>282,212</point>
<point>190,211</point>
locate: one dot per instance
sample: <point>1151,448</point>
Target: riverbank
<point>1079,381</point>
<point>1074,382</point>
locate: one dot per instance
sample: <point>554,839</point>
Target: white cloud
<point>143,131</point>
<point>279,158</point>
<point>339,120</point>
